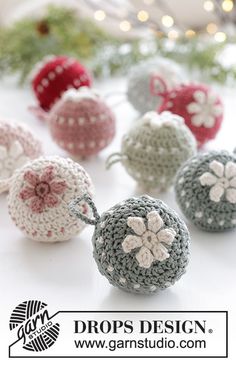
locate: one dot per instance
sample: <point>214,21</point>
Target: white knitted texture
<point>222,181</point>
<point>152,240</point>
<point>54,223</point>
<point>166,118</point>
<point>82,93</point>
<point>18,145</point>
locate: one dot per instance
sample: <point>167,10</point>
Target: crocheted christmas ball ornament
<point>39,196</point>
<point>82,123</point>
<point>154,149</point>
<point>200,107</point>
<point>18,145</point>
<point>206,190</point>
<point>54,75</point>
<point>140,245</point>
<point>149,80</point>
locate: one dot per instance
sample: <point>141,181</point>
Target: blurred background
<point>111,36</point>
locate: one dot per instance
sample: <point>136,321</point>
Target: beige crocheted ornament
<point>39,196</point>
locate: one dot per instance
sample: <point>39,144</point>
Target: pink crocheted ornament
<point>39,196</point>
<point>54,75</point>
<point>18,145</point>
<point>200,107</point>
<point>81,123</point>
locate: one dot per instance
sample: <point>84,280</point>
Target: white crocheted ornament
<point>150,80</point>
<point>39,196</point>
<point>18,145</point>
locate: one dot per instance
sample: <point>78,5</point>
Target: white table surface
<point>65,276</point>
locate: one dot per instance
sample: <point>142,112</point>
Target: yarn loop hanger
<point>38,112</point>
<point>115,158</point>
<point>85,198</point>
<point>155,81</point>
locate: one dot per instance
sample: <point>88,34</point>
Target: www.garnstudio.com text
<point>144,327</point>
<point>162,343</point>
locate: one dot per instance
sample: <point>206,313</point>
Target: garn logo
<point>34,325</point>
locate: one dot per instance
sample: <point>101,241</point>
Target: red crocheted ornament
<point>54,76</point>
<point>200,107</point>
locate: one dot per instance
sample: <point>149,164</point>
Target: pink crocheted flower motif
<point>42,190</point>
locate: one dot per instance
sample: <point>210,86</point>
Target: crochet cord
<point>83,217</point>
<point>114,158</point>
<point>39,113</point>
<point>161,82</point>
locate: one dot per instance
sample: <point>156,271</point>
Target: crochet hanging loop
<point>77,213</point>
<point>114,158</point>
<point>39,113</point>
<point>158,86</point>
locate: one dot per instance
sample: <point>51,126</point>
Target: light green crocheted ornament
<point>154,149</point>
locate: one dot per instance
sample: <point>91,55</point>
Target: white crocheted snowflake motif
<point>11,159</point>
<point>222,180</point>
<point>84,92</point>
<point>205,109</point>
<point>152,240</point>
<point>166,118</point>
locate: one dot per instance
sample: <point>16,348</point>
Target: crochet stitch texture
<point>82,123</point>
<point>39,195</point>
<point>206,190</point>
<point>163,74</point>
<point>154,149</point>
<point>140,245</point>
<point>200,106</point>
<point>56,74</point>
<point>18,145</point>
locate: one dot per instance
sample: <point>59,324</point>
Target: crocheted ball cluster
<point>81,123</point>
<point>39,196</point>
<point>201,108</point>
<point>141,245</point>
<point>18,145</point>
<point>155,148</point>
<point>56,74</point>
<point>206,190</point>
<point>148,80</point>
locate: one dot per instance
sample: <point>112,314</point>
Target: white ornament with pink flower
<point>39,196</point>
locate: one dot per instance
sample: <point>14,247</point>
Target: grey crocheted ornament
<point>206,190</point>
<point>140,245</point>
<point>154,149</point>
<point>149,80</point>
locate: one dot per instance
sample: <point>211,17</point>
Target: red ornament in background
<point>56,74</point>
<point>201,108</point>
